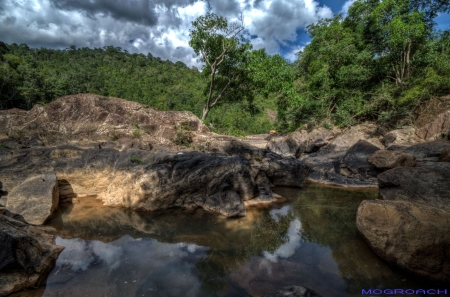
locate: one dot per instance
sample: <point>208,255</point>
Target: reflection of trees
<point>328,218</point>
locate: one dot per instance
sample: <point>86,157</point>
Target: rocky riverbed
<point>134,156</point>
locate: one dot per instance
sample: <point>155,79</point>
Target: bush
<point>136,160</point>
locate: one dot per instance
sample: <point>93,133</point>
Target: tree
<point>221,50</point>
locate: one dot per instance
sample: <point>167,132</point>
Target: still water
<point>310,240</point>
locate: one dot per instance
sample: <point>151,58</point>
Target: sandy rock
<point>414,237</point>
<point>87,118</point>
<point>435,129</point>
<point>405,136</point>
<point>385,159</point>
<point>27,254</point>
<point>35,199</point>
<point>418,185</point>
<point>445,155</point>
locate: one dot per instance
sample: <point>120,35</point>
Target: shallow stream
<point>310,240</point>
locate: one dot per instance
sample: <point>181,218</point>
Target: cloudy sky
<point>160,27</point>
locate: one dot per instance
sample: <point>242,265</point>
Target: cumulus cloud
<point>346,6</point>
<point>160,27</point>
<point>287,249</point>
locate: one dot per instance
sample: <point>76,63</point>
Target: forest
<point>379,62</point>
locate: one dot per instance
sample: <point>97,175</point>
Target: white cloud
<point>287,249</point>
<point>346,6</point>
<point>160,27</point>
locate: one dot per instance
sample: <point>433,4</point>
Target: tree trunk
<point>205,113</point>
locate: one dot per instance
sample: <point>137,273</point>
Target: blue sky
<point>161,27</point>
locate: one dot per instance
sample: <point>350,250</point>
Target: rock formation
<point>27,254</point>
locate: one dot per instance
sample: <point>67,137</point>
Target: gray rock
<point>418,185</point>
<point>27,254</point>
<point>355,160</point>
<point>386,159</point>
<point>412,236</point>
<point>36,198</point>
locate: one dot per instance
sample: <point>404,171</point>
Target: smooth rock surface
<point>386,159</point>
<point>418,185</point>
<point>35,199</point>
<point>355,160</point>
<point>414,237</point>
<point>27,254</point>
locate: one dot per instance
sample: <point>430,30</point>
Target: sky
<point>161,27</point>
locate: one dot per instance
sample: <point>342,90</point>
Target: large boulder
<point>414,237</point>
<point>419,185</point>
<point>86,118</point>
<point>36,198</point>
<point>157,179</point>
<point>386,159</point>
<point>424,152</point>
<point>190,180</point>
<point>435,129</point>
<point>27,254</point>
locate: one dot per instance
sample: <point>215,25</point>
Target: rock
<point>320,137</point>
<point>385,159</point>
<point>88,118</point>
<point>405,136</point>
<point>294,291</point>
<point>35,199</point>
<point>436,128</point>
<point>190,180</point>
<point>355,160</point>
<point>414,237</point>
<point>418,185</point>
<point>422,152</point>
<point>445,155</point>
<point>27,254</point>
<point>292,145</point>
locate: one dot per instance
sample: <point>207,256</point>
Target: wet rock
<point>436,128</point>
<point>27,254</point>
<point>385,159</point>
<point>414,237</point>
<point>445,155</point>
<point>35,199</point>
<point>418,185</point>
<point>294,291</point>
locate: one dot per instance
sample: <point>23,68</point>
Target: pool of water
<point>310,240</point>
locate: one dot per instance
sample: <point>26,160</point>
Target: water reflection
<point>311,240</point>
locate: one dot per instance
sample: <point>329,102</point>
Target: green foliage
<point>183,138</point>
<point>136,160</point>
<point>137,133</point>
<point>379,62</point>
<point>39,76</point>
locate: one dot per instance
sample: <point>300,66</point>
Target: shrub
<point>137,133</point>
<point>136,160</point>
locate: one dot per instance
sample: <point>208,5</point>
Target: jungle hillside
<point>380,62</point>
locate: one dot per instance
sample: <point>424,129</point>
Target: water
<point>311,240</point>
